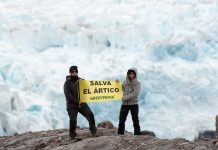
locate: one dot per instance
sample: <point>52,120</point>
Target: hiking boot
<point>72,134</point>
<point>137,133</point>
<point>75,139</point>
<point>72,138</point>
<point>120,133</point>
<point>95,135</point>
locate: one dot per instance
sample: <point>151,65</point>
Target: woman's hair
<point>131,71</point>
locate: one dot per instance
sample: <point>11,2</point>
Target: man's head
<point>73,70</point>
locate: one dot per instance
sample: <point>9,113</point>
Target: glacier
<point>173,44</point>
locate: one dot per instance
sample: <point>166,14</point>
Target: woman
<point>131,88</point>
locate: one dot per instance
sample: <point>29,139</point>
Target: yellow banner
<point>100,90</point>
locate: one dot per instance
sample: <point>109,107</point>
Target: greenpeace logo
<point>101,97</point>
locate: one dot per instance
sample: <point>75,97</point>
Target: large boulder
<point>207,135</point>
<point>106,124</point>
<point>146,132</point>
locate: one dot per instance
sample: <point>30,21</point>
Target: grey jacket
<point>131,90</point>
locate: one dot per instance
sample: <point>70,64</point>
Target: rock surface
<point>108,140</point>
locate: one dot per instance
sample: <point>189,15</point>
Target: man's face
<point>73,73</point>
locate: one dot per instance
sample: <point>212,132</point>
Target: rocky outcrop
<point>216,126</point>
<point>106,124</point>
<point>209,134</point>
<point>108,140</point>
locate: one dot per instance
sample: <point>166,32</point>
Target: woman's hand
<point>117,80</point>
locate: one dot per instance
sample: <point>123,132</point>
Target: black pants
<point>87,113</point>
<point>134,109</point>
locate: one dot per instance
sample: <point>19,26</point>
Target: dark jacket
<point>131,90</point>
<point>71,91</point>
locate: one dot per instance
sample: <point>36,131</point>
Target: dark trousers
<point>87,113</point>
<point>134,109</point>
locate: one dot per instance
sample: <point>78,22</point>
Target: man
<point>71,91</point>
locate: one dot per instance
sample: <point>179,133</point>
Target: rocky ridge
<point>107,140</point>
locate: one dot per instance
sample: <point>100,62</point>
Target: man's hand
<point>80,103</point>
<point>117,80</point>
